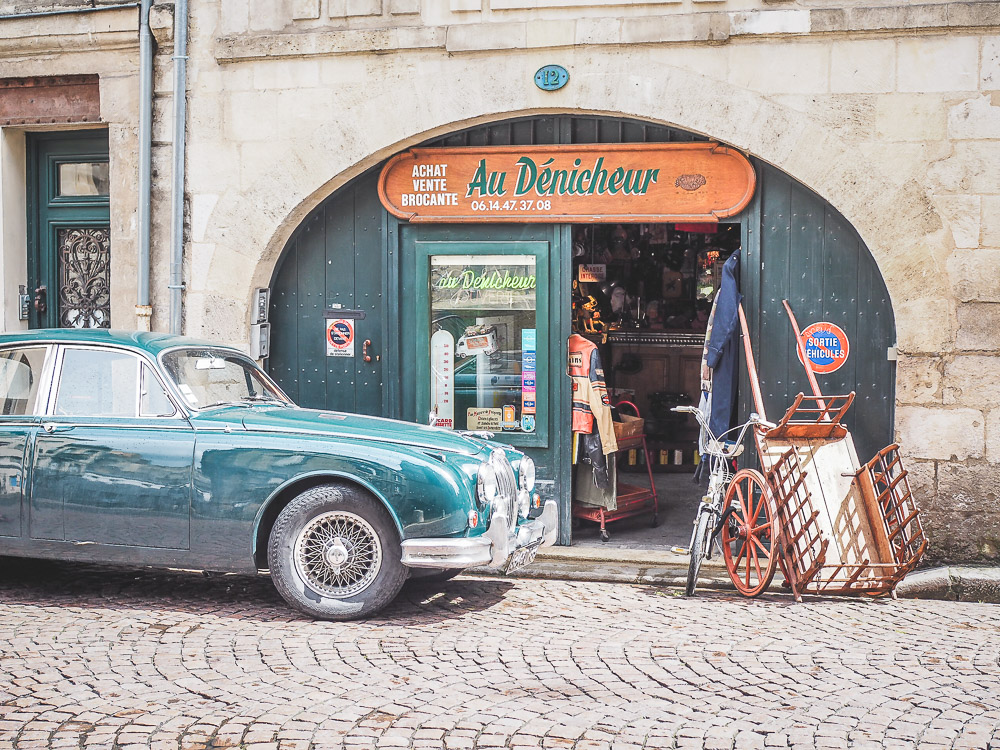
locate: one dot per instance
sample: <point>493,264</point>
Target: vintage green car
<point>152,449</point>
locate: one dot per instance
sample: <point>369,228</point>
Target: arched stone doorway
<point>349,251</point>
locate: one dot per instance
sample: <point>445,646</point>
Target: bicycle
<point>739,507</point>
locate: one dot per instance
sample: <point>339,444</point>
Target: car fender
<point>320,474</point>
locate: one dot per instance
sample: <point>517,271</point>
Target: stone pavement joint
<point>94,657</point>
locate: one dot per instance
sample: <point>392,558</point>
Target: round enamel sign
<point>826,347</point>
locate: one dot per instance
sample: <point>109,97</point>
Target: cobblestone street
<point>99,658</point>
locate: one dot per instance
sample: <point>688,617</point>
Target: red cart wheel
<point>748,536</point>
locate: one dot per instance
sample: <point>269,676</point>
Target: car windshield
<point>212,377</point>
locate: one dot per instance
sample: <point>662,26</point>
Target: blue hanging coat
<point>722,346</point>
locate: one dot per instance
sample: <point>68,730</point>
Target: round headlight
<point>526,470</point>
<point>487,485</point>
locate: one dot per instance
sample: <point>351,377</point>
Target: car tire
<point>334,553</point>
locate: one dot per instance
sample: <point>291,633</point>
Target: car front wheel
<point>334,553</point>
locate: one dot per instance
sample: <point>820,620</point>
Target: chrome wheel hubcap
<point>338,554</point>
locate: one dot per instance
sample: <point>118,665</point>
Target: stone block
<point>993,436</point>
<point>990,221</point>
<point>978,583</point>
<point>918,380</point>
<point>972,380</point>
<point>865,66</point>
<point>973,14</point>
<point>910,117</point>
<point>978,326</point>
<point>943,434</point>
<point>975,275</point>
<point>972,168</point>
<point>924,325</point>
<point>827,19</point>
<point>989,64</point>
<point>769,22</point>
<point>465,6</point>
<point>336,8</point>
<point>269,15</point>
<point>284,75</point>
<point>486,36</point>
<point>780,67</point>
<point>251,116</point>
<point>404,7</point>
<point>234,16</point>
<point>922,479</point>
<point>896,16</point>
<point>694,27</point>
<point>962,212</point>
<point>945,64</point>
<point>551,33</point>
<point>934,583</point>
<point>363,8</point>
<point>201,209</point>
<point>598,30</point>
<point>976,118</point>
<point>303,10</point>
<point>962,536</point>
<point>961,488</point>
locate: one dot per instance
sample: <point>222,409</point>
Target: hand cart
<point>631,499</point>
<point>837,526</point>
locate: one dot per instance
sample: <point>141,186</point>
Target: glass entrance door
<point>483,328</point>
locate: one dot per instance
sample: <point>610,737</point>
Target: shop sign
<point>488,419</point>
<point>662,182</point>
<point>494,280</point>
<point>826,347</point>
<point>591,272</point>
<point>339,337</point>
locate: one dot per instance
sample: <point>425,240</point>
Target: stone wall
<point>103,42</point>
<point>892,113</point>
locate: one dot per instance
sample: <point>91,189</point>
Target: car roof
<point>151,342</point>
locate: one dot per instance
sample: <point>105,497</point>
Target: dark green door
<point>810,255</point>
<point>69,230</point>
<point>337,257</point>
<point>516,388</point>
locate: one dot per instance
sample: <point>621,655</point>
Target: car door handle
<point>51,427</point>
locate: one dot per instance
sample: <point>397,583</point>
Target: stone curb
<point>961,583</point>
<point>964,583</point>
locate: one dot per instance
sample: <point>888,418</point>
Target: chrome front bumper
<point>491,549</point>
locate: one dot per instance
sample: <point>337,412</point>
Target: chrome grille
<point>507,487</point>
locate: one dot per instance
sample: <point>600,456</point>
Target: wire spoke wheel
<point>748,537</point>
<point>338,554</point>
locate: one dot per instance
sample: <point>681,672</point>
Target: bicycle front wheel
<point>748,536</point>
<point>699,545</point>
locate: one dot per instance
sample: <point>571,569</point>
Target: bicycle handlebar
<point>754,419</point>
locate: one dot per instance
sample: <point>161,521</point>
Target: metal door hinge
<point>891,354</point>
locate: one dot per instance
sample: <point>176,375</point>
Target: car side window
<point>98,383</point>
<point>20,374</point>
<point>154,400</point>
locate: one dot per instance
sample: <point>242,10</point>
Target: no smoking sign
<point>826,346</point>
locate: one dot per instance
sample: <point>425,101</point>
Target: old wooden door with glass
<point>69,230</point>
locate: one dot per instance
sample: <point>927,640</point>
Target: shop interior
<point>643,293</point>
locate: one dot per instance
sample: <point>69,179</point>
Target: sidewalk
<point>617,565</point>
<point>965,583</point>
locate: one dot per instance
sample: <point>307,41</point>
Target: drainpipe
<point>177,208</point>
<point>143,310</point>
